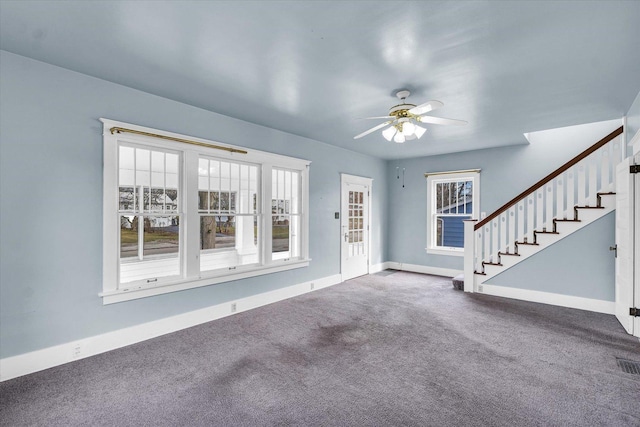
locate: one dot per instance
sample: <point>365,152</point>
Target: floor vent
<point>386,272</point>
<point>629,366</point>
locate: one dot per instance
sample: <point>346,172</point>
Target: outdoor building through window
<point>179,213</point>
<point>452,199</point>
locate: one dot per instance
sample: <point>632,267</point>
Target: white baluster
<point>593,178</point>
<point>495,242</point>
<point>479,255</point>
<point>539,209</point>
<point>486,230</point>
<point>530,224</point>
<point>604,170</point>
<point>582,184</point>
<point>511,235</point>
<point>615,159</point>
<point>520,219</point>
<point>570,190</point>
<point>560,194</point>
<point>503,233</point>
<point>548,202</point>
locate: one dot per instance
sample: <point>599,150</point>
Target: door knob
<point>614,248</point>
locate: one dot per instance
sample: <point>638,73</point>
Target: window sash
<point>449,196</point>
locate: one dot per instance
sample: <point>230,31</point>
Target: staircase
<point>568,199</point>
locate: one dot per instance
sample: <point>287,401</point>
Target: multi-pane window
<point>180,213</point>
<point>452,200</point>
<point>356,223</point>
<point>285,214</point>
<point>229,214</point>
<point>148,214</point>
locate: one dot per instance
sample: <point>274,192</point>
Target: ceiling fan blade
<point>373,129</point>
<point>442,121</point>
<point>426,107</point>
<point>379,117</point>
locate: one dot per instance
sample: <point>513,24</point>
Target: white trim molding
<point>424,269</point>
<point>27,363</point>
<point>588,304</point>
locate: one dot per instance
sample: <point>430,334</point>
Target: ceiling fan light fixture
<point>408,128</point>
<point>404,119</point>
<point>389,132</point>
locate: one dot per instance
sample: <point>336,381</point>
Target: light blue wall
<point>506,172</point>
<point>633,119</point>
<point>586,267</point>
<point>51,203</point>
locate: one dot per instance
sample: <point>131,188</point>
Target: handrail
<point>549,177</point>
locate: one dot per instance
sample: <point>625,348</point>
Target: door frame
<point>360,180</point>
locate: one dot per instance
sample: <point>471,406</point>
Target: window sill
<point>450,252</point>
<point>116,296</point>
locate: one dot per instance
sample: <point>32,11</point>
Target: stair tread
<point>567,220</point>
<point>491,263</point>
<point>527,243</point>
<point>589,207</point>
<point>508,253</point>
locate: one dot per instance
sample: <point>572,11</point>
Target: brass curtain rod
<point>450,172</point>
<point>171,138</point>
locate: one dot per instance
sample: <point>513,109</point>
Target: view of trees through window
<point>229,213</point>
<point>285,213</point>
<point>148,208</point>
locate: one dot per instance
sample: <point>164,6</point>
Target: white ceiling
<point>312,68</point>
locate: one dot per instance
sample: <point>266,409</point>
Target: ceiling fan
<point>403,120</point>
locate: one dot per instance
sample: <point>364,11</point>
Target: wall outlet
<point>234,307</point>
<point>480,288</point>
<point>312,285</point>
<point>76,350</point>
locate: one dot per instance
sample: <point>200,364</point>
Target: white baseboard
<point>376,268</point>
<point>23,364</point>
<point>599,306</point>
<point>424,269</point>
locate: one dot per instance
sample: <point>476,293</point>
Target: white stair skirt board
<point>424,269</point>
<point>564,229</point>
<point>599,306</point>
<point>23,364</point>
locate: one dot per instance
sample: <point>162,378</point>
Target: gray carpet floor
<point>397,350</point>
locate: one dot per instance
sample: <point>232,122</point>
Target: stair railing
<point>579,182</point>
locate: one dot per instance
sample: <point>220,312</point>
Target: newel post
<point>469,254</point>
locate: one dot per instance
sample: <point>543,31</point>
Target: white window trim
<point>114,292</point>
<point>468,175</point>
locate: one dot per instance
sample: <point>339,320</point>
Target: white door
<point>354,228</point>
<point>625,244</point>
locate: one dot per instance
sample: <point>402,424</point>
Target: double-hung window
<point>183,212</point>
<point>452,198</point>
<point>230,214</point>
<point>149,217</point>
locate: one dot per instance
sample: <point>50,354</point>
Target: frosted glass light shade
<point>408,128</point>
<point>419,131</point>
<point>399,138</point>
<point>389,132</point>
